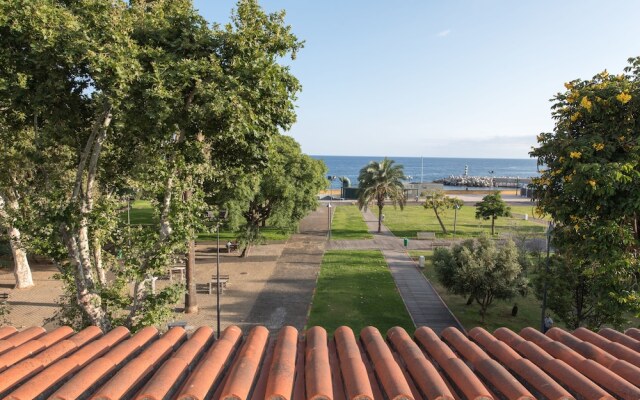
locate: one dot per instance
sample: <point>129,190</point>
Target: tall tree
<point>282,194</point>
<point>439,202</point>
<point>590,184</point>
<point>491,207</point>
<point>477,269</point>
<point>379,181</point>
<point>160,100</point>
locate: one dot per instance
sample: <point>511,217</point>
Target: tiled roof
<point>62,364</point>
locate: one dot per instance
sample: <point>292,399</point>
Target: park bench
<point>426,235</point>
<point>221,284</point>
<point>4,297</point>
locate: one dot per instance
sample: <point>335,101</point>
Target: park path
<point>289,291</point>
<point>420,298</point>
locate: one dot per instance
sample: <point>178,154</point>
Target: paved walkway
<point>287,296</point>
<point>422,301</point>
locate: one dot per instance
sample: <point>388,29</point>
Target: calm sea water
<point>428,169</point>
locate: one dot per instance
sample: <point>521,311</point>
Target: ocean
<point>428,169</point>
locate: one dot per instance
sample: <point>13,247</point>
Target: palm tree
<point>379,181</point>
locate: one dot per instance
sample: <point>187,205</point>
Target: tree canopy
<point>439,202</point>
<point>590,182</point>
<point>378,181</point>
<point>491,207</point>
<point>109,98</point>
<point>477,268</point>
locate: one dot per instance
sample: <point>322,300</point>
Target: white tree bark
<point>21,268</point>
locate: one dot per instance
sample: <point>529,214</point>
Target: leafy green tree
<point>477,269</point>
<point>144,96</point>
<point>491,207</point>
<point>282,194</point>
<point>576,292</point>
<point>590,184</point>
<point>439,202</point>
<point>379,181</point>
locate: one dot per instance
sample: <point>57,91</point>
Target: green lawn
<point>355,288</point>
<point>415,218</point>
<point>142,213</point>
<point>348,223</point>
<point>498,314</point>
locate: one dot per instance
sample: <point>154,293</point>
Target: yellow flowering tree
<point>591,188</point>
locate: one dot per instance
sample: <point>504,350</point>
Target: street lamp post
<point>544,291</point>
<point>491,173</point>
<point>221,216</point>
<point>329,220</point>
<point>455,218</point>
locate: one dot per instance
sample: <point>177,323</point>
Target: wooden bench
<point>221,284</point>
<point>4,297</point>
<point>426,235</point>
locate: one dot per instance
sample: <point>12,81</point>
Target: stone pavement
<point>287,296</point>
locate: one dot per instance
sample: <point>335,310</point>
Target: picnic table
<point>221,283</point>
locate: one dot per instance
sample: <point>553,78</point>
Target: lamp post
<point>544,291</point>
<point>455,218</point>
<point>491,173</point>
<point>221,217</point>
<point>329,219</point>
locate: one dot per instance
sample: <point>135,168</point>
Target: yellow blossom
<point>568,178</point>
<point>576,227</point>
<point>586,103</point>
<point>623,97</point>
<point>573,96</point>
<point>598,146</point>
<point>575,116</point>
<point>568,85</point>
<point>561,159</point>
<point>575,154</point>
<point>592,183</point>
<point>621,138</point>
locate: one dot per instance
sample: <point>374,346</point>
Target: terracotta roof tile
<point>292,365</point>
<point>167,380</point>
<point>7,331</point>
<point>633,333</point>
<point>15,340</point>
<point>589,368</point>
<point>352,368</point>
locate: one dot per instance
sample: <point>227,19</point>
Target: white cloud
<point>444,33</point>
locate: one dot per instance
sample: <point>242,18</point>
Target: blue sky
<point>442,78</point>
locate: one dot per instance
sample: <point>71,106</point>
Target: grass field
<point>348,223</point>
<point>142,213</point>
<point>415,218</point>
<point>498,314</point>
<point>355,288</point>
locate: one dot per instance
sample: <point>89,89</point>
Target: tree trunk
<point>444,230</point>
<point>379,218</point>
<point>470,300</point>
<point>245,251</point>
<point>21,269</point>
<point>190,299</point>
<point>493,223</point>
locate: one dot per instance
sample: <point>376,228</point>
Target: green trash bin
<point>406,242</point>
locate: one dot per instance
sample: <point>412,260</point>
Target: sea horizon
<point>429,169</point>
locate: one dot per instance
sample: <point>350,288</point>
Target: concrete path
<point>422,301</point>
<point>287,296</point>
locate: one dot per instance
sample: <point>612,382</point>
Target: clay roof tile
<point>310,365</point>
